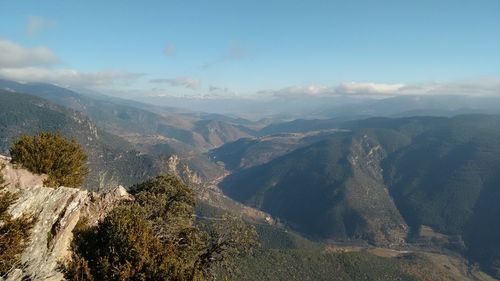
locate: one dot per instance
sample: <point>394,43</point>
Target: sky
<point>257,47</point>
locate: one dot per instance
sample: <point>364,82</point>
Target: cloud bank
<point>39,64</point>
<point>14,55</point>
<point>353,88</point>
<point>68,77</point>
<point>477,87</point>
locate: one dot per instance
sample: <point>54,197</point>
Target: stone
<point>56,211</point>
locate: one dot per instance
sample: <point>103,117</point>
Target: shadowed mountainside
<point>195,131</point>
<point>112,160</point>
<point>384,174</point>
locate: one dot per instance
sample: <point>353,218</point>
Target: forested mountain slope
<point>124,117</point>
<point>112,160</point>
<point>387,174</point>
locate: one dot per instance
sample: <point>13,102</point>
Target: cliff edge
<point>56,211</point>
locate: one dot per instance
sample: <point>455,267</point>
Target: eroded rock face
<point>97,205</point>
<point>56,212</point>
<point>176,167</point>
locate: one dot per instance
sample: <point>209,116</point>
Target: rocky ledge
<point>55,211</point>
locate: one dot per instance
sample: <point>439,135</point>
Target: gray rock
<point>56,211</point>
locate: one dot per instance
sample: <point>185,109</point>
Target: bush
<point>124,247</point>
<point>13,234</point>
<point>168,203</point>
<point>155,238</point>
<point>52,154</point>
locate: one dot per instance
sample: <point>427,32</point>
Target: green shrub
<point>156,238</point>
<point>52,154</point>
<point>124,247</point>
<point>13,234</point>
<point>168,203</point>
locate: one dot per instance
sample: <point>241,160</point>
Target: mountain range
<point>381,180</point>
<point>419,176</point>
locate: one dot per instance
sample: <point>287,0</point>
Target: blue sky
<point>198,47</point>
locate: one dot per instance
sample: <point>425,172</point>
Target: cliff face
<point>56,212</point>
<point>182,170</point>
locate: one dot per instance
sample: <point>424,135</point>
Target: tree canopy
<point>63,160</point>
<point>156,237</point>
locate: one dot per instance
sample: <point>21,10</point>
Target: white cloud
<point>38,64</point>
<point>214,91</point>
<point>478,87</point>
<point>36,24</point>
<point>187,82</point>
<point>68,77</point>
<point>355,88</point>
<point>13,55</point>
<point>169,50</point>
<point>309,90</point>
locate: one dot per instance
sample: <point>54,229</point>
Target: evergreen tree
<point>156,238</point>
<point>63,160</point>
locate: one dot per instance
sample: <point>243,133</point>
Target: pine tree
<point>63,160</point>
<point>155,237</point>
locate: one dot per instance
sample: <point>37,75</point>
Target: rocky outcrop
<point>176,167</point>
<point>55,211</point>
<point>208,191</point>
